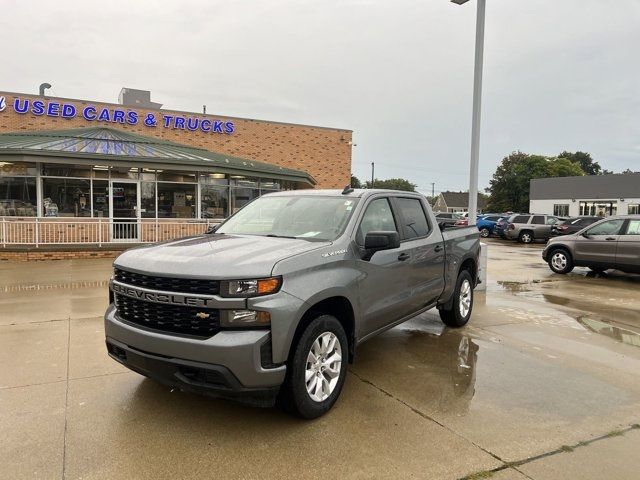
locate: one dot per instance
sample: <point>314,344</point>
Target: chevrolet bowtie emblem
<point>202,315</point>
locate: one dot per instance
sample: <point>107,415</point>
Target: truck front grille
<point>175,319</point>
<point>168,284</point>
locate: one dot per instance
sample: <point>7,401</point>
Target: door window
<point>538,220</point>
<point>520,219</point>
<point>611,227</point>
<point>552,220</point>
<point>414,221</point>
<point>378,217</point>
<point>633,228</point>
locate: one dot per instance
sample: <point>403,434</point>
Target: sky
<point>558,74</point>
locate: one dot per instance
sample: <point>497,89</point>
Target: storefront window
<point>173,176</point>
<point>18,196</point>
<point>214,201</point>
<point>269,184</point>
<point>124,173</point>
<point>100,171</point>
<point>241,196</point>
<point>148,199</point>
<point>100,199</point>
<point>59,170</point>
<point>176,200</point>
<point>599,209</point>
<point>561,210</point>
<point>634,209</point>
<point>12,169</point>
<point>66,197</point>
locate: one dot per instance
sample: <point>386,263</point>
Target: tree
<point>355,182</point>
<point>584,159</point>
<point>509,187</point>
<point>393,184</point>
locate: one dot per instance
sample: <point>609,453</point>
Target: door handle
<point>403,256</point>
<point>438,248</point>
<point>608,239</point>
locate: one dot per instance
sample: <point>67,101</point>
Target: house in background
<point>600,195</point>
<point>457,202</point>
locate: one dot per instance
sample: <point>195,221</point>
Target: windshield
<point>310,218</point>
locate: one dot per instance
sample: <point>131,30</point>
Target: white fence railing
<point>96,231</point>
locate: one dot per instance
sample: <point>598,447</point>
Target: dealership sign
<point>91,113</point>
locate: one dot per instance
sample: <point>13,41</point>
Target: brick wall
<point>325,153</point>
<point>38,256</point>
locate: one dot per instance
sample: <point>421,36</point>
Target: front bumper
<point>232,358</point>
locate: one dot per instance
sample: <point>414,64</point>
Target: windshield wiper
<point>273,235</point>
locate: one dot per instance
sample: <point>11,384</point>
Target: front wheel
<point>560,261</point>
<point>460,311</point>
<point>317,369</point>
<point>484,232</point>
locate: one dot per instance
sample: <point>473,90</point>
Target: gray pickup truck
<point>271,305</point>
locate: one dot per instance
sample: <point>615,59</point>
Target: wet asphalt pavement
<point>544,383</point>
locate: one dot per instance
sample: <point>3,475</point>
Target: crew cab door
<point>426,246</point>
<point>597,246</point>
<point>628,250</point>
<point>384,289</point>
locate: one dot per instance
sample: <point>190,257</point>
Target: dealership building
<point>598,195</point>
<point>85,172</point>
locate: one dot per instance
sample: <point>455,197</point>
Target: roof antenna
<point>347,190</point>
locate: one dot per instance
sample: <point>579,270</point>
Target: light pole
<point>477,100</point>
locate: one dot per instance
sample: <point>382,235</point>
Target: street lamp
<point>475,123</point>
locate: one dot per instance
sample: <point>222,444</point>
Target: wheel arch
<point>337,306</point>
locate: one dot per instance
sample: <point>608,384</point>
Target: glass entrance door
<point>125,207</point>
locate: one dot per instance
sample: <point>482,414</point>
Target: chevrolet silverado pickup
<point>270,306</point>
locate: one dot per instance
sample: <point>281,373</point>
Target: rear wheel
<point>525,237</point>
<point>560,261</point>
<point>460,311</point>
<point>317,370</point>
<point>484,232</point>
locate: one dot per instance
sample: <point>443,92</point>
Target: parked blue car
<point>487,224</point>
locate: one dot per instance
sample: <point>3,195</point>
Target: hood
<point>215,256</point>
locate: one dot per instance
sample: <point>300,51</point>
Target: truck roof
<point>356,192</point>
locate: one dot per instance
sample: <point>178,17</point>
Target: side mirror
<point>442,226</point>
<point>585,235</point>
<point>376,241</point>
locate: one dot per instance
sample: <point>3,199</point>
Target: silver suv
<point>527,228</point>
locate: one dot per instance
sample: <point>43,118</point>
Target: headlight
<point>244,318</point>
<point>250,288</point>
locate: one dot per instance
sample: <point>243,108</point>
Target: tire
<point>560,261</point>
<point>458,315</point>
<point>526,236</point>
<point>294,396</point>
<point>484,232</point>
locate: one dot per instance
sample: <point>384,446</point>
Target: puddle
<point>603,328</point>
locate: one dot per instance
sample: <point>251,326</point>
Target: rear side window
<point>633,228</point>
<point>520,219</point>
<point>414,220</point>
<point>537,220</point>
<point>492,219</point>
<point>611,227</point>
<point>376,218</point>
<point>552,220</point>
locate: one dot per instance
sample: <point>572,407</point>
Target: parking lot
<point>544,383</point>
